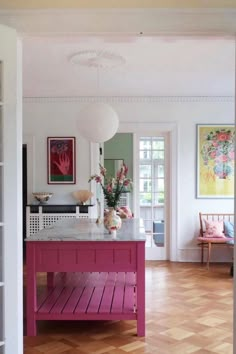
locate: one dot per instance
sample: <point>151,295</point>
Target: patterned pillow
<point>214,229</point>
<point>229,229</point>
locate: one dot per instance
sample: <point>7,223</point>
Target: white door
<point>11,304</point>
<point>152,192</point>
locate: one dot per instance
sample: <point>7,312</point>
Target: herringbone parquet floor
<point>188,310</point>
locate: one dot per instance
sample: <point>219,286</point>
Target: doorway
<point>152,196</point>
<point>24,196</point>
<point>161,223</point>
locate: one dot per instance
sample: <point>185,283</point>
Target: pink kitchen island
<point>91,275</point>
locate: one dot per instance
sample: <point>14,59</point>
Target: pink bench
<point>208,242</point>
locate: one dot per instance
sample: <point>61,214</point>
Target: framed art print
<point>61,160</point>
<point>215,160</point>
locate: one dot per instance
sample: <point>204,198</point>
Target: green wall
<point>121,147</point>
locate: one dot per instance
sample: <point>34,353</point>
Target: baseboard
<point>219,253</point>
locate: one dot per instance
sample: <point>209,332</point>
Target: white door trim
<point>172,129</point>
<point>29,140</point>
<point>11,321</point>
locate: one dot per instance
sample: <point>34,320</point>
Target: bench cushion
<point>214,229</point>
<point>224,239</point>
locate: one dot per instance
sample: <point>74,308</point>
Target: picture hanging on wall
<point>215,160</point>
<point>61,160</point>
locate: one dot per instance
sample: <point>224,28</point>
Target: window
<point>151,170</point>
<point>152,188</point>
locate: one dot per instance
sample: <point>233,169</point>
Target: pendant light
<point>98,122</point>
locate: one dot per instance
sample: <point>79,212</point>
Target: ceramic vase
<point>112,221</point>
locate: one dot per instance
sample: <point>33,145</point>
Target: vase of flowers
<point>112,221</point>
<point>112,188</point>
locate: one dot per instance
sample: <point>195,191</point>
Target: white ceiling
<point>154,66</point>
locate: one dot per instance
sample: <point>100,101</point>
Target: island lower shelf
<point>89,296</point>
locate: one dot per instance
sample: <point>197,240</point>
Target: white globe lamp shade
<point>98,122</point>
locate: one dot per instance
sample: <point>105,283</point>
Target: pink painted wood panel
<point>109,285</point>
<point>95,300</point>
<point>122,256</point>
<point>51,257</point>
<point>62,300</point>
<point>43,295</point>
<point>131,278</point>
<point>86,256</point>
<point>90,293</point>
<point>84,300</point>
<point>106,301</point>
<point>101,279</point>
<point>73,301</point>
<point>129,300</point>
<point>120,278</point>
<point>50,300</point>
<point>111,279</point>
<point>67,256</point>
<point>140,287</point>
<point>86,316</point>
<point>118,298</point>
<point>105,256</point>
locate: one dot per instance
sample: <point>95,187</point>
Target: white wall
<point>55,120</point>
<point>58,117</point>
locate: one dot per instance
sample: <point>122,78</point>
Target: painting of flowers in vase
<point>215,161</point>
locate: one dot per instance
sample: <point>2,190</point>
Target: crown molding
<point>65,4</point>
<point>151,21</point>
<point>110,11</point>
<point>130,99</point>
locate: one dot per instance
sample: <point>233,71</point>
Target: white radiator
<point>41,220</point>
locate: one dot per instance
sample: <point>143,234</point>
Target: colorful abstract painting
<point>61,160</point>
<point>215,161</point>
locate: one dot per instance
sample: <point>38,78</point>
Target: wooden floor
<point>188,310</point>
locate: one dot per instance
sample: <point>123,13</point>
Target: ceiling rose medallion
<point>97,58</point>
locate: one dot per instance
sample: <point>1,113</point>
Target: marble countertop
<point>88,230</point>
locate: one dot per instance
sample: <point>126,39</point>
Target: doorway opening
<point>24,196</point>
<point>152,185</point>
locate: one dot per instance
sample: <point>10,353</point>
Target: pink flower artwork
<point>217,152</point>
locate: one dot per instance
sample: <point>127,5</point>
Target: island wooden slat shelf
<point>89,296</point>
